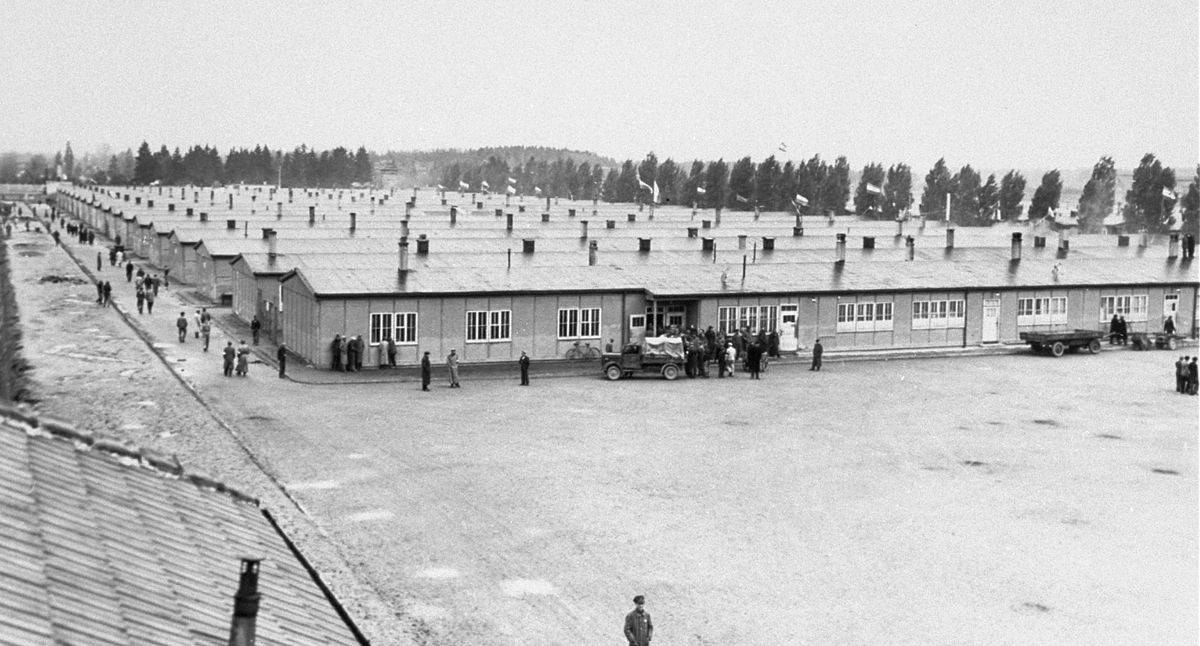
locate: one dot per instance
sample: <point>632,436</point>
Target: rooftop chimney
<point>204,216</point>
<point>693,232</point>
<point>149,204</point>
<point>170,207</point>
<point>868,242</point>
<point>453,215</point>
<point>1173,246</point>
<point>527,245</point>
<point>279,210</point>
<point>840,250</point>
<point>583,229</point>
<point>422,245</point>
<point>610,224</point>
<point>632,217</point>
<point>272,246</point>
<point>403,257</point>
<point>545,217</point>
<point>593,249</point>
<point>949,238</point>
<point>1016,246</point>
<point>768,243</point>
<point>231,224</point>
<point>742,241</point>
<point>230,201</point>
<point>570,213</point>
<point>189,212</point>
<point>312,215</point>
<point>245,605</point>
<point>353,221</point>
<point>643,244</point>
<point>911,245</point>
<point>508,221</point>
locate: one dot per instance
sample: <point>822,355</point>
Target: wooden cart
<point>1057,343</point>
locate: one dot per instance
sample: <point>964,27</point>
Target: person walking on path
<point>452,367</point>
<point>129,271</point>
<point>99,261</point>
<point>141,299</point>
<point>243,358</point>
<point>255,327</point>
<point>206,333</point>
<point>150,302</point>
<point>228,355</point>
<point>1181,375</point>
<point>639,629</point>
<point>107,293</point>
<point>426,371</point>
<point>198,322</point>
<point>391,352</point>
<point>730,358</point>
<point>281,355</point>
<point>818,350</point>
<point>181,325</point>
<point>166,279</point>
<point>524,363</point>
<point>100,293</point>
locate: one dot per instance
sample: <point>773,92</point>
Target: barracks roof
<point>97,549</point>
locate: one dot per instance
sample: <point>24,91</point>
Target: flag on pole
<point>1168,193</point>
<point>462,186</point>
<point>512,181</point>
<point>700,190</point>
<point>511,190</point>
<point>537,191</point>
<point>783,147</point>
<point>871,188</point>
<point>641,184</point>
<point>654,193</point>
<point>441,188</point>
<point>801,200</point>
<point>485,186</point>
<point>742,199</point>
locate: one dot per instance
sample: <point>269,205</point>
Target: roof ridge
<point>165,466</point>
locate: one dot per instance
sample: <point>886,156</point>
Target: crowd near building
<point>494,275</point>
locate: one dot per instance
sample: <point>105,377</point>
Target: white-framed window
<point>768,318</point>
<point>381,326</point>
<point>579,323</point>
<point>1042,311</point>
<point>489,325</point>
<point>637,321</point>
<point>930,315</point>
<point>1133,307</point>
<point>748,318</point>
<point>406,328</point>
<point>789,313</point>
<point>727,320</point>
<point>864,316</point>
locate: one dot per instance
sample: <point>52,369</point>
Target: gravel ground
<point>1010,499</point>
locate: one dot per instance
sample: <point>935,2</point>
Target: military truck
<point>660,354</point>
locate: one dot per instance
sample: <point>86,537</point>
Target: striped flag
<point>441,188</point>
<point>462,186</point>
<point>512,181</point>
<point>871,188</point>
<point>511,190</point>
<point>537,190</point>
<point>801,200</point>
<point>485,186</point>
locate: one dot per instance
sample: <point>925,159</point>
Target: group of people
<point>1185,376</point>
<point>348,353</point>
<point>240,355</point>
<point>1118,330</point>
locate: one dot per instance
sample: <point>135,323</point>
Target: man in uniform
<point>281,355</point>
<point>524,363</point>
<point>227,354</point>
<point>818,350</point>
<point>452,368</point>
<point>426,371</point>
<point>638,627</point>
<point>181,325</point>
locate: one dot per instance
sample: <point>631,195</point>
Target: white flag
<point>484,184</point>
<point>741,199</point>
<point>1168,193</point>
<point>801,200</point>
<point>871,188</point>
<point>512,191</point>
<point>537,191</point>
<point>654,194</point>
<point>700,190</point>
<point>441,188</point>
<point>462,186</point>
<point>512,181</point>
<point>641,184</point>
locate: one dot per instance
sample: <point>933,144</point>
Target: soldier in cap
<point>638,626</point>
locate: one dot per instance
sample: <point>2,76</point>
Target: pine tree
<point>1099,196</point>
<point>767,178</point>
<point>741,185</point>
<point>364,170</point>
<point>1012,193</point>
<point>668,180</point>
<point>69,162</point>
<point>145,168</point>
<point>938,183</point>
<point>1046,196</point>
<point>989,200</point>
<point>716,183</point>
<point>964,206</point>
<point>610,192</point>
<point>835,188</point>
<point>897,194</point>
<point>1146,207</point>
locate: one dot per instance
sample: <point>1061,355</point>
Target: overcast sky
<point>993,84</point>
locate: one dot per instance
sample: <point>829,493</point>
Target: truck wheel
<point>1094,346</point>
<point>670,371</point>
<point>613,372</point>
<point>1058,349</point>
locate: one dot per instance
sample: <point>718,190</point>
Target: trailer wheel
<point>1058,349</point>
<point>1171,343</point>
<point>670,371</point>
<point>613,372</point>
<point>1094,346</point>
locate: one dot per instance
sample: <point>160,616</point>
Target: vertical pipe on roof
<point>839,253</point>
<point>1173,246</point>
<point>403,256</point>
<point>593,251</point>
<point>949,238</point>
<point>245,605</point>
<point>1016,246</point>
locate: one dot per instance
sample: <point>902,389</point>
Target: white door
<point>788,313</point>
<point>991,320</point>
<point>637,328</point>
<point>1171,308</point>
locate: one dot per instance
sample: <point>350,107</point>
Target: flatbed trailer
<point>1057,343</point>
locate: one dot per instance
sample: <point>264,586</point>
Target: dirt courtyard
<point>991,500</point>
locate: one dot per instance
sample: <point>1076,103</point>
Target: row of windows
<point>584,323</point>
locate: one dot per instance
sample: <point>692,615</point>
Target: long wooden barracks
<point>492,277</point>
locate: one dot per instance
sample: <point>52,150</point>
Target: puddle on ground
<point>523,587</point>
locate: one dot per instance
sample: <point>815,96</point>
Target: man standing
<point>335,349</point>
<point>452,366</point>
<point>205,333</point>
<point>638,627</point>
<point>107,293</point>
<point>150,302</point>
<point>818,350</point>
<point>198,322</point>
<point>524,363</point>
<point>754,359</point>
<point>391,352</point>
<point>181,325</point>
<point>1181,375</point>
<point>730,358</point>
<point>1193,378</point>
<point>426,371</point>
<point>129,271</point>
<point>255,326</point>
<point>228,354</point>
<point>281,355</point>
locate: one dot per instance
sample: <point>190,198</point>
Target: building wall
<point>301,318</point>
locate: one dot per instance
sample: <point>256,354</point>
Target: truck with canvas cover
<point>657,354</point>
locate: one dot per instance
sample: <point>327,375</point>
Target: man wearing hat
<point>638,627</point>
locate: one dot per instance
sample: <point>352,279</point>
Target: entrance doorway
<point>789,313</point>
<point>991,320</point>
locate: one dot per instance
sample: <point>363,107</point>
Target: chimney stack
<point>741,241</point>
<point>231,201</point>
<point>353,221</point>
<point>272,246</point>
<point>949,238</point>
<point>245,605</point>
<point>527,245</point>
<point>1016,246</point>
<point>403,256</point>
<point>1173,246</point>
<point>422,245</point>
<point>279,210</point>
<point>911,245</point>
<point>840,250</point>
<point>583,229</point>
<point>231,224</point>
<point>453,215</point>
<point>312,215</point>
<point>644,244</point>
<point>768,243</point>
<point>190,212</point>
<point>868,242</point>
<point>593,249</point>
<point>204,216</point>
<point>508,219</point>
